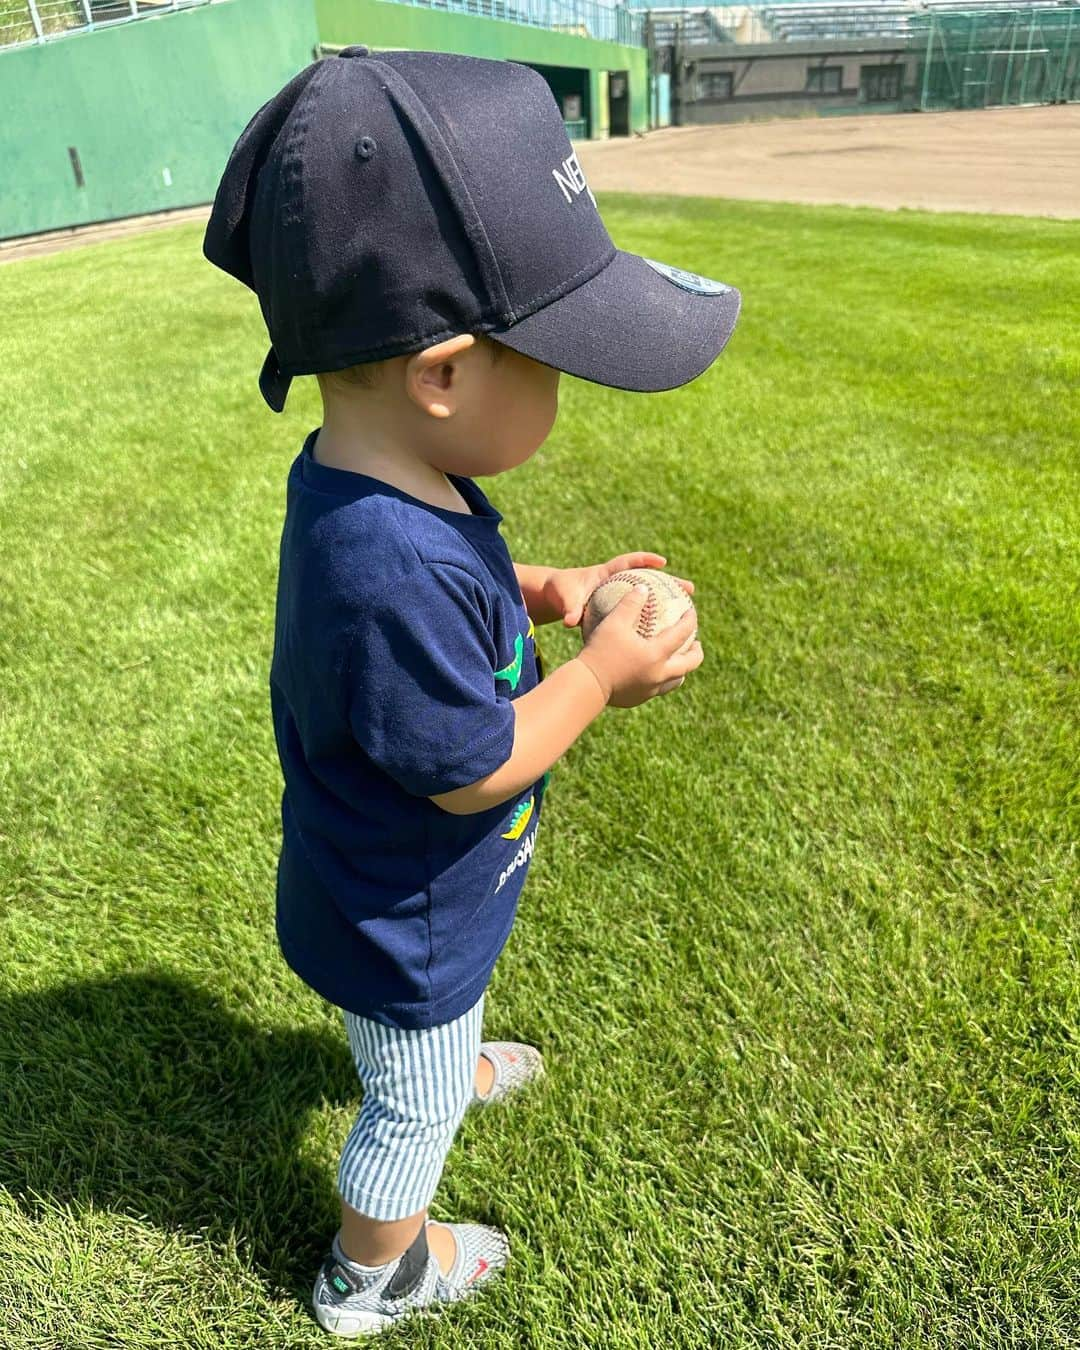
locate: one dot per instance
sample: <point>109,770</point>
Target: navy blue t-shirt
<point>401,641</point>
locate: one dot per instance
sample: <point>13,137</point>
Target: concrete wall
<point>660,100</point>
<point>744,22</point>
<point>770,79</point>
<point>151,108</point>
<point>598,102</point>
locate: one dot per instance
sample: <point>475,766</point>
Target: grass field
<point>800,940</point>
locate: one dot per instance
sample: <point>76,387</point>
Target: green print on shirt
<point>512,672</point>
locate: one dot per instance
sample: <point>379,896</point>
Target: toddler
<point>421,238</point>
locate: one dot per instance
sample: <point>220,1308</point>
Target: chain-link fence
<point>24,21</point>
<point>997,58</point>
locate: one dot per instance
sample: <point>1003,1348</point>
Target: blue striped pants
<point>417,1086</point>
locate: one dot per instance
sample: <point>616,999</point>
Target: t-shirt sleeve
<point>421,682</point>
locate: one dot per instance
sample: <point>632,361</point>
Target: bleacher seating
<point>809,20</point>
<point>804,21</point>
<point>671,25</point>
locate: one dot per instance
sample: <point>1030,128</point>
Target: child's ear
<point>431,376</point>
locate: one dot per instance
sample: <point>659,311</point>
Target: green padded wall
<point>145,102</point>
<point>153,107</point>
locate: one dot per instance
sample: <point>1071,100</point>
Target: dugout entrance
<point>619,103</point>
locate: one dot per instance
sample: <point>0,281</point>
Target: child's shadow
<point>141,1094</point>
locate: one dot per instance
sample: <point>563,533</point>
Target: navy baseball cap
<point>380,203</point>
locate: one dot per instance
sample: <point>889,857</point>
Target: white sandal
<point>358,1301</point>
<point>515,1065</point>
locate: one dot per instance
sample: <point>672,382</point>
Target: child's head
<point>466,405</point>
<point>383,204</point>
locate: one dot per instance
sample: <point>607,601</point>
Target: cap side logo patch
<point>688,281</point>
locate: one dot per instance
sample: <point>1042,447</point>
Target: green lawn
<point>799,942</point>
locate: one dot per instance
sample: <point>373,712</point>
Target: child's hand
<point>630,668</point>
<point>567,589</point>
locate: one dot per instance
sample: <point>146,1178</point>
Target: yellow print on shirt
<point>522,815</point>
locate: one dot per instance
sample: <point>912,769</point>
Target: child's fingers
<point>669,685</point>
<point>681,665</point>
<point>628,610</point>
<point>627,562</point>
<point>676,634</point>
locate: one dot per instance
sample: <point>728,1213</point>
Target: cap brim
<point>637,324</point>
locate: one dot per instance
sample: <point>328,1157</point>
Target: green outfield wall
<point>380,23</point>
<point>150,108</point>
<point>141,117</point>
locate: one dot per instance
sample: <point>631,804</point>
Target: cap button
<point>354,51</point>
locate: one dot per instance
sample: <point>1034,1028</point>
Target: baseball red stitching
<point>650,607</point>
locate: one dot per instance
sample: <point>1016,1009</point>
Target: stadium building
<point>804,58</point>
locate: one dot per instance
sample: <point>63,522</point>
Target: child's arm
<point>616,665</point>
<point>540,608</point>
<point>547,721</point>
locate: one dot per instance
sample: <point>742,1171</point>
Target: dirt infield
<point>1015,161</point>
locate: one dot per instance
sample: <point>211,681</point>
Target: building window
<point>881,84</point>
<point>823,79</point>
<point>716,84</point>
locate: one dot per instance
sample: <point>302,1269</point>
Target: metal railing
<point>583,18</point>
<point>27,21</point>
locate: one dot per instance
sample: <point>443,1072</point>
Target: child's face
<point>466,406</point>
<point>504,406</point>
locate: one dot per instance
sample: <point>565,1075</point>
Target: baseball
<point>664,605</point>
